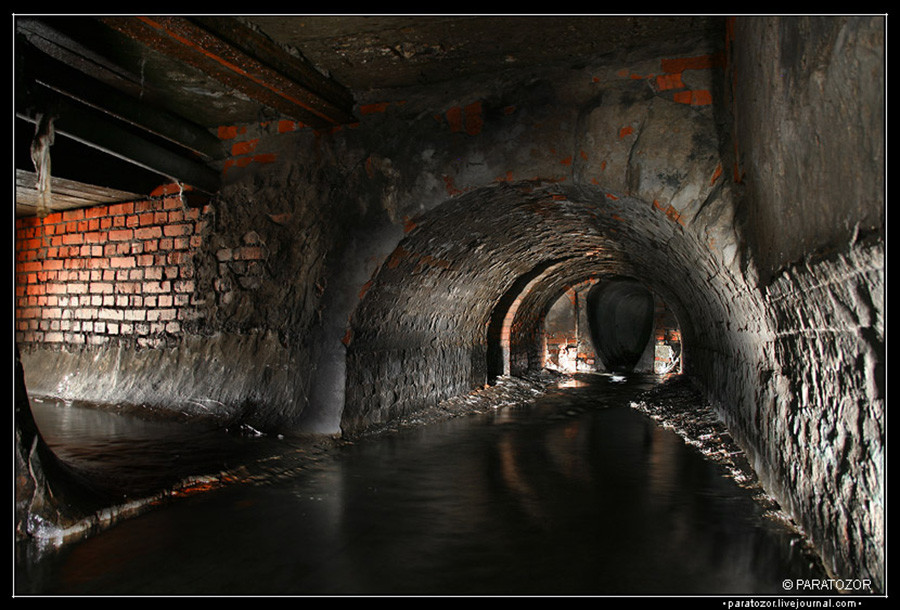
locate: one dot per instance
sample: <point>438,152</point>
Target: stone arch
<point>483,266</point>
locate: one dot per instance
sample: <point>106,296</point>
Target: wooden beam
<point>65,194</point>
<point>92,129</point>
<point>185,40</point>
<point>56,76</point>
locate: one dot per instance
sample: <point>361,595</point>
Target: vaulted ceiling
<point>136,101</point>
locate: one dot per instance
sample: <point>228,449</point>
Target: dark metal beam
<point>181,38</point>
<point>67,50</point>
<point>92,129</point>
<point>292,65</point>
<point>51,74</point>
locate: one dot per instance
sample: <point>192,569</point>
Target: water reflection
<point>128,456</point>
<point>573,494</point>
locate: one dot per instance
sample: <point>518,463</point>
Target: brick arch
<point>499,332</point>
<point>442,314</point>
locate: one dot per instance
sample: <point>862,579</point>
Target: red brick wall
<point>121,272</point>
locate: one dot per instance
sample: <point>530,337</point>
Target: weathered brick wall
<point>111,273</point>
<point>797,370</point>
<point>143,304</point>
<point>801,384</point>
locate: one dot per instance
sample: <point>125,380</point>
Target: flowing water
<point>573,493</point>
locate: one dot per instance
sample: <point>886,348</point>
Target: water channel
<point>572,493</point>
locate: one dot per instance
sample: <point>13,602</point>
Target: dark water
<point>575,494</point>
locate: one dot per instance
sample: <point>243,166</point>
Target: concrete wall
<point>809,102</point>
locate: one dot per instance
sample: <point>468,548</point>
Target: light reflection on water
<point>128,455</point>
<point>574,494</point>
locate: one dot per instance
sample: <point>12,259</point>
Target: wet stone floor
<point>576,490</point>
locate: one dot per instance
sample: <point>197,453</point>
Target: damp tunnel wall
<point>361,275</point>
<point>503,252</point>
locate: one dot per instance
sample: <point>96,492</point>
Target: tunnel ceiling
<point>137,100</point>
<point>476,275</point>
<point>531,241</point>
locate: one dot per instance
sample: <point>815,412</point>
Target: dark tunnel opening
<point>620,315</point>
<point>608,324</point>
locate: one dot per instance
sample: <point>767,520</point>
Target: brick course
<point>121,272</point>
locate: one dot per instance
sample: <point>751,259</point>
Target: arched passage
<point>620,314</point>
<point>463,296</point>
<point>530,342</point>
<point>594,319</point>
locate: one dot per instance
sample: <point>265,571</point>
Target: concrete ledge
<point>249,378</point>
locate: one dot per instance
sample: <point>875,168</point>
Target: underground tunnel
<point>447,211</point>
<point>465,294</point>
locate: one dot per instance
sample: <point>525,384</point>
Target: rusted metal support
<point>288,91</point>
<point>291,64</point>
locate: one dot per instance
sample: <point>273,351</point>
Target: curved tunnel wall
<point>760,235</point>
<point>421,331</point>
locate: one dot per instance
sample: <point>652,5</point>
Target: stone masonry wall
<point>815,414</point>
<point>797,370</point>
<point>799,381</point>
<point>830,377</point>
